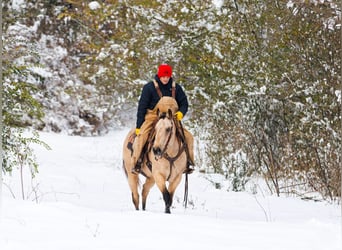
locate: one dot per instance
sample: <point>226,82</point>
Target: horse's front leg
<point>168,201</point>
<point>161,183</point>
<point>173,184</point>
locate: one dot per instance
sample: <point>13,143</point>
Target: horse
<point>165,161</point>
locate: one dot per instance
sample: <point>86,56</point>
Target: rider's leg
<point>140,141</point>
<point>190,143</point>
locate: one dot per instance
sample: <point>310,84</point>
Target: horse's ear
<point>169,112</point>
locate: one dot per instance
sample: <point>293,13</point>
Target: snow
<point>218,3</point>
<point>94,5</point>
<point>40,71</point>
<point>83,202</point>
<point>18,4</point>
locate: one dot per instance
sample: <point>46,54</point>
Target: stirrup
<point>190,163</point>
<point>189,169</point>
<point>137,168</point>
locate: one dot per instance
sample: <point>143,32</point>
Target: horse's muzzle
<point>157,151</point>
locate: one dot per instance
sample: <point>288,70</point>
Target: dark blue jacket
<point>149,98</point>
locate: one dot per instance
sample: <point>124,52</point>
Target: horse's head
<point>164,130</point>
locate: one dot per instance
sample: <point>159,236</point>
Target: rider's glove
<point>179,115</point>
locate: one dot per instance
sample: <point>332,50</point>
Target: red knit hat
<point>164,70</point>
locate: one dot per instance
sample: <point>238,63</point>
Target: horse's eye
<point>168,130</point>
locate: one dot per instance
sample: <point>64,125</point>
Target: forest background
<point>263,80</point>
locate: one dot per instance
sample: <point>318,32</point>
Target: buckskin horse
<point>165,161</point>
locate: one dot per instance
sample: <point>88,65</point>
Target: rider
<point>146,113</point>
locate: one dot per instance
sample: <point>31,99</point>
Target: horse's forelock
<point>162,115</point>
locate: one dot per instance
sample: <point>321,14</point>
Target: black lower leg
<point>168,201</point>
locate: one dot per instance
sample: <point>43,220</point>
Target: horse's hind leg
<point>146,189</point>
<point>133,181</point>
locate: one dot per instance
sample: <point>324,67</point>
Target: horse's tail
<point>126,173</point>
<point>124,168</point>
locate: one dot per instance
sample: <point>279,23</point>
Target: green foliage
<point>18,152</point>
<point>19,106</point>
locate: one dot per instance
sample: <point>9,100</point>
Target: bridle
<point>163,153</point>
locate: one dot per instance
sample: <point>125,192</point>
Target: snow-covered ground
<point>84,203</point>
